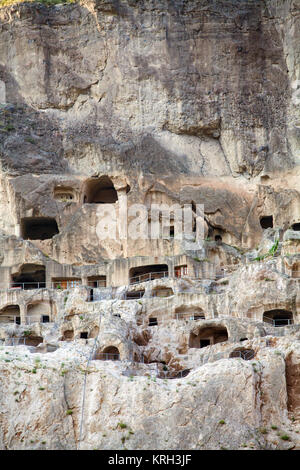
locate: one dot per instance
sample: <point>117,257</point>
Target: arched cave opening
<point>10,314</point>
<point>110,353</point>
<point>30,276</point>
<point>40,311</point>
<point>33,340</point>
<point>64,194</point>
<point>189,312</point>
<point>100,191</point>
<point>208,336</point>
<point>161,291</point>
<point>266,221</point>
<point>278,317</point>
<point>136,294</point>
<point>148,273</point>
<point>68,335</point>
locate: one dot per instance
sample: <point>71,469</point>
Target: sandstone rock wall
<point>205,88</point>
<point>182,102</point>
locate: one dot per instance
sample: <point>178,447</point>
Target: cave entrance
<point>161,291</point>
<point>296,270</point>
<point>266,221</point>
<point>190,312</point>
<point>153,321</point>
<point>33,340</point>
<point>208,336</point>
<point>296,227</point>
<point>64,194</point>
<point>68,335</point>
<point>148,273</point>
<point>40,311</point>
<point>278,317</point>
<point>100,191</point>
<point>242,353</point>
<point>84,335</point>
<point>138,294</point>
<point>30,276</point>
<point>66,283</point>
<point>97,281</point>
<point>38,228</point>
<point>111,353</point>
<point>10,314</point>
<point>181,271</point>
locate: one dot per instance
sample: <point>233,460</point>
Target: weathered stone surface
<point>200,88</point>
<point>182,102</point>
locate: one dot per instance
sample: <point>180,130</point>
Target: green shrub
<point>271,251</point>
<point>30,140</point>
<point>122,425</point>
<point>263,430</point>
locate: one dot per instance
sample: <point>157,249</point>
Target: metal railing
<point>278,322</point>
<point>15,342</point>
<point>71,284</point>
<point>63,285</point>
<point>96,284</point>
<point>133,295</point>
<point>27,320</point>
<point>247,354</point>
<point>10,319</point>
<point>27,285</point>
<point>148,277</point>
<point>193,317</point>
<point>36,319</point>
<point>291,274</point>
<point>162,293</point>
<point>180,275</point>
<point>108,357</point>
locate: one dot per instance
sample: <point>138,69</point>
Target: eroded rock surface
<point>143,343</point>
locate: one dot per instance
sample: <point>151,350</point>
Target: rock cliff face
<point>143,343</point>
<point>196,88</point>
